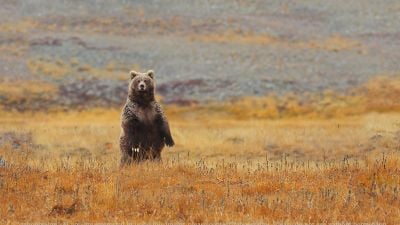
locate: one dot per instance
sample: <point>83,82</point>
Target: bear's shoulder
<point>129,109</point>
<point>158,109</point>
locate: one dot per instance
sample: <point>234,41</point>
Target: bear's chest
<point>146,116</point>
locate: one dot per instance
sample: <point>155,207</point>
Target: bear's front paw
<point>169,141</point>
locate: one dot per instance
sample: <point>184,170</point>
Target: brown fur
<point>145,129</point>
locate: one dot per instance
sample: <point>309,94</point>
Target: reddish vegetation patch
<point>180,85</point>
<point>47,41</point>
<point>53,42</point>
<point>181,102</point>
<point>85,45</point>
<point>92,92</point>
<point>174,87</point>
<point>181,92</point>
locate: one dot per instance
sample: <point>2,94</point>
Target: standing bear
<point>145,128</point>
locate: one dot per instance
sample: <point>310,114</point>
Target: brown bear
<point>145,128</point>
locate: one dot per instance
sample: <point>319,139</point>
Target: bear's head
<point>141,86</point>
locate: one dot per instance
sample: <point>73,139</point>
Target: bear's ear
<point>133,74</point>
<point>150,73</point>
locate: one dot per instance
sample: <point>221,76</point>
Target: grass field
<point>226,166</point>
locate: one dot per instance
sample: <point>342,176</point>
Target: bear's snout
<point>142,86</point>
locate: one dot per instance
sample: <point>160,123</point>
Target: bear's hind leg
<point>126,152</point>
<point>154,154</point>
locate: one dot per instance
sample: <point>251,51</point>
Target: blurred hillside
<point>74,54</point>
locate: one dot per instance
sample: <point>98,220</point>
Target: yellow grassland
<point>59,69</point>
<point>249,160</point>
<point>332,43</point>
<point>308,170</point>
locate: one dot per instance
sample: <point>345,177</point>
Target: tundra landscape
<point>281,111</point>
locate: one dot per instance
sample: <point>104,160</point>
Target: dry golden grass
<point>22,26</point>
<point>97,131</point>
<point>177,191</point>
<point>22,93</point>
<point>19,89</point>
<point>221,170</point>
<point>333,43</point>
<point>58,69</point>
<point>333,159</point>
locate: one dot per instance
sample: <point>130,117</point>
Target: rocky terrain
<point>200,50</point>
